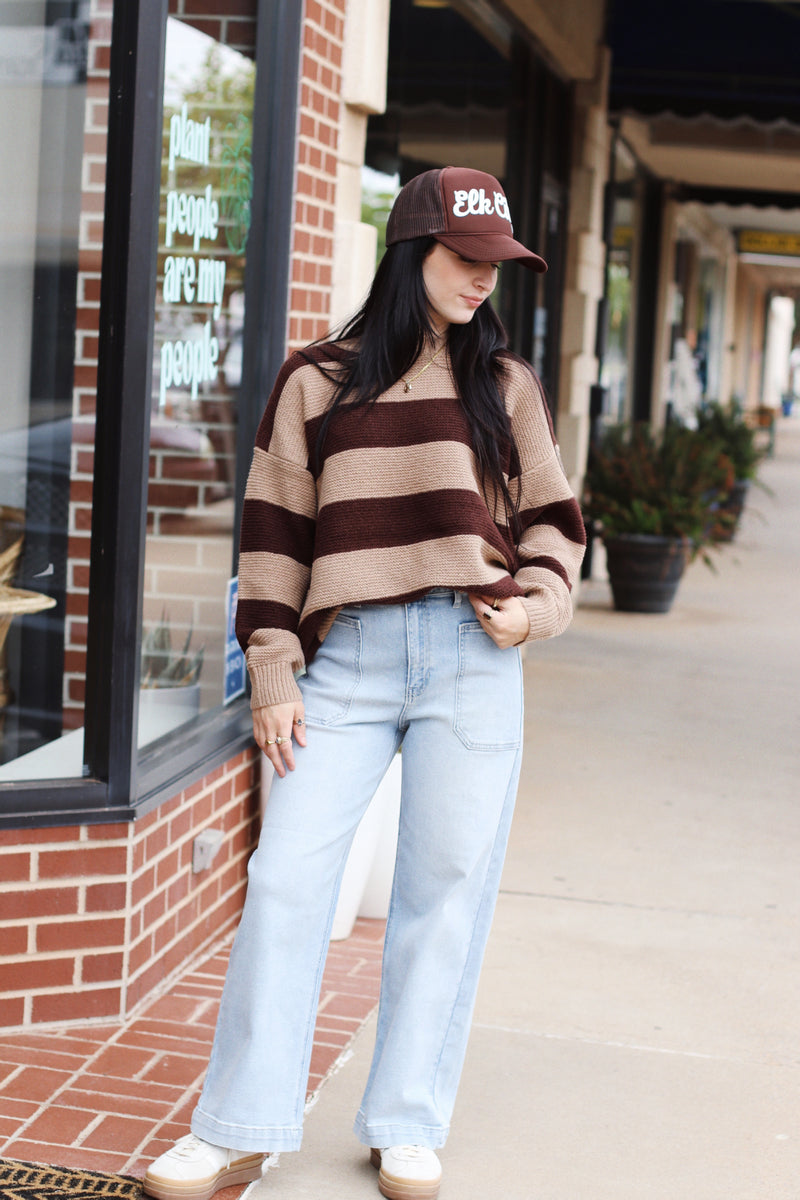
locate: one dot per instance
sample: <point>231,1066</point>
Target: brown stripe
<point>550,564</point>
<point>389,424</point>
<point>564,515</point>
<point>267,527</point>
<point>262,614</point>
<point>404,521</point>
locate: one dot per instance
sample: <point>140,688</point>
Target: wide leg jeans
<point>424,675</point>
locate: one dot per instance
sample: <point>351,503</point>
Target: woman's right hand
<point>273,727</point>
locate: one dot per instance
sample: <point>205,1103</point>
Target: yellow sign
<point>760,241</point>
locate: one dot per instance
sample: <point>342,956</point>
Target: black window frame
<point>119,781</point>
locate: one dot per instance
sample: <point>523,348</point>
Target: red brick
<point>176,1068</point>
<point>15,867</point>
<point>83,861</point>
<point>62,1050</point>
<point>118,1133</point>
<point>73,1006</point>
<point>101,968</point>
<point>112,1087</point>
<point>106,897</point>
<point>13,940</point>
<point>59,1125</point>
<point>34,974</point>
<point>31,837</point>
<point>180,824</point>
<point>167,868</point>
<point>12,1011</point>
<point>123,1062</point>
<point>109,833</point>
<point>39,902</point>
<point>37,1083</point>
<point>323,1058</point>
<point>157,841</point>
<point>143,886</point>
<point>141,1104</point>
<point>82,934</point>
<point>69,1156</point>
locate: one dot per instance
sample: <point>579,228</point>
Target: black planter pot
<point>644,571</point>
<point>732,507</point>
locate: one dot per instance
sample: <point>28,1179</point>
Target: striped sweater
<point>396,508</point>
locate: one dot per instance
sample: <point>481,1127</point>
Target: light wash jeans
<point>424,674</point>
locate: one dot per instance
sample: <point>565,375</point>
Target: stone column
<point>585,267</point>
<point>366,50</point>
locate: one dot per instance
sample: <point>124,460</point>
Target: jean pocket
<point>335,673</point>
<point>488,713</point>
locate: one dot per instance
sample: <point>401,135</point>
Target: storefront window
<point>189,663</point>
<point>53,101</point>
<point>615,371</point>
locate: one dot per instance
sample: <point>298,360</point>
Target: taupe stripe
<point>545,538</point>
<point>278,574</point>
<point>397,471</point>
<point>463,562</point>
<point>545,484</point>
<point>283,483</point>
<point>311,380</point>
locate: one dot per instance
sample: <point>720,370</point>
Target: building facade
<point>191,187</point>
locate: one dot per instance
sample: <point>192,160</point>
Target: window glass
<point>189,662</point>
<point>53,109</point>
<point>615,369</point>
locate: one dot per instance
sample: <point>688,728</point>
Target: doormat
<point>32,1181</point>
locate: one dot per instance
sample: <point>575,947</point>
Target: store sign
<point>761,241</point>
<point>205,212</point>
<point>235,667</point>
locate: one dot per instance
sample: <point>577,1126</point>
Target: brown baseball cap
<point>465,210</point>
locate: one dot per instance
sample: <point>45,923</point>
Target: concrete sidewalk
<point>637,1033</point>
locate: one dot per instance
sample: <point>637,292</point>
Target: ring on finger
<point>496,605</point>
<point>280,740</point>
<point>269,742</point>
<point>298,721</point>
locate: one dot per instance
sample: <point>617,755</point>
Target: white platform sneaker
<point>194,1170</point>
<point>408,1172</point>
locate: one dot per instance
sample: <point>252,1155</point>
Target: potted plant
<point>170,687</point>
<point>725,425</point>
<point>655,499</point>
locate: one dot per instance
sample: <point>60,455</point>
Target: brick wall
<point>95,918</point>
<point>315,196</point>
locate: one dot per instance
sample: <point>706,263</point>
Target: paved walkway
<point>637,1033</point>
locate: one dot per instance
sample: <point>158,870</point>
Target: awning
<point>725,58</point>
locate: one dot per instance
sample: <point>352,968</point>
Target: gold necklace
<point>408,382</point>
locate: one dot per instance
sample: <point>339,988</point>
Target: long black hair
<point>392,328</point>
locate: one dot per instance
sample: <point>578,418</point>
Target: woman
<point>407,524</point>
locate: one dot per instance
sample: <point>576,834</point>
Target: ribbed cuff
<point>273,683</point>
<point>540,618</point>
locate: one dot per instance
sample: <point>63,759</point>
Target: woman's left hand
<point>507,625</point>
